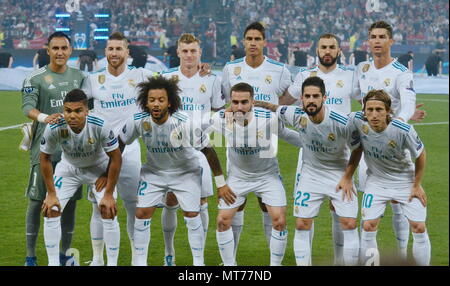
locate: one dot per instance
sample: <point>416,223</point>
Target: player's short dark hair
<point>380,95</point>
<point>119,37</point>
<point>242,87</point>
<point>330,36</point>
<point>76,95</point>
<point>382,25</point>
<point>256,26</point>
<point>314,81</point>
<point>160,82</point>
<point>58,35</point>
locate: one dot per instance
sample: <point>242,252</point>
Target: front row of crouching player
<point>332,146</point>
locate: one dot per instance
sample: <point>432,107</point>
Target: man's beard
<point>313,113</point>
<point>328,64</point>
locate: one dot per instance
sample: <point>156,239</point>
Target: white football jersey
<point>115,98</point>
<point>81,150</point>
<point>197,93</point>
<point>269,80</point>
<point>170,146</point>
<point>338,87</point>
<point>388,153</point>
<point>395,79</point>
<point>326,145</point>
<point>251,149</point>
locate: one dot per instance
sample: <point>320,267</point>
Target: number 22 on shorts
<point>298,196</point>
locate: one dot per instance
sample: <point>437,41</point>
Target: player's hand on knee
<point>100,184</point>
<point>54,118</point>
<point>418,192</point>
<point>108,206</point>
<point>50,204</point>
<point>226,194</point>
<point>419,114</point>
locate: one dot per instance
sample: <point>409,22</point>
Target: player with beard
<point>172,164</point>
<point>338,81</point>
<point>113,90</point>
<point>326,137</point>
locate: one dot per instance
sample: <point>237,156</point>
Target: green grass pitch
<point>253,249</point>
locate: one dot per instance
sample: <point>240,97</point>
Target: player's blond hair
<point>187,38</point>
<point>380,95</point>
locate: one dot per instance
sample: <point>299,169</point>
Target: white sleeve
<point>285,81</point>
<point>226,87</point>
<point>130,131</point>
<point>288,135</point>
<point>405,88</point>
<point>87,87</point>
<point>295,90</point>
<point>198,138</point>
<point>217,98</point>
<point>413,143</point>
<point>146,74</point>
<point>108,139</point>
<point>217,120</point>
<point>290,115</point>
<point>49,141</point>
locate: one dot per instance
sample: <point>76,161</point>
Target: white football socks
<point>236,225</point>
<point>52,238</point>
<point>96,228</point>
<point>421,249</point>
<point>278,242</point>
<point>302,247</point>
<point>195,237</point>
<point>204,215</point>
<point>111,232</point>
<point>225,240</point>
<point>141,241</point>
<point>338,239</point>
<point>351,247</point>
<point>368,245</point>
<point>169,225</point>
<point>401,229</point>
<point>267,221</point>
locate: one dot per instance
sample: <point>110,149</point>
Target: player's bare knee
<point>223,223</point>
<point>105,215</point>
<point>348,223</point>
<point>142,213</point>
<point>370,225</point>
<point>191,214</point>
<point>303,224</point>
<point>171,200</point>
<point>53,214</point>
<point>417,227</point>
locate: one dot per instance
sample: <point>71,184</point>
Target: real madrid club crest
<point>392,143</point>
<point>331,137</point>
<point>147,126</point>
<point>48,79</point>
<point>101,78</point>
<point>175,78</point>
<point>365,129</point>
<point>366,67</point>
<point>303,121</point>
<point>268,79</point>
<point>237,71</point>
<point>259,134</point>
<point>340,83</point>
<point>64,133</point>
<point>176,135</point>
<point>131,82</point>
<point>203,88</point>
<point>312,74</point>
<point>387,81</point>
<point>91,141</point>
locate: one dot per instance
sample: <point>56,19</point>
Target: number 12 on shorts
<point>301,202</point>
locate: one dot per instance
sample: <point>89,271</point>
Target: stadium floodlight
<point>62,15</point>
<point>101,15</point>
<point>101,30</point>
<point>62,29</point>
<point>101,38</point>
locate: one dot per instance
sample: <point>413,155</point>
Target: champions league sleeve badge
<point>366,67</point>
